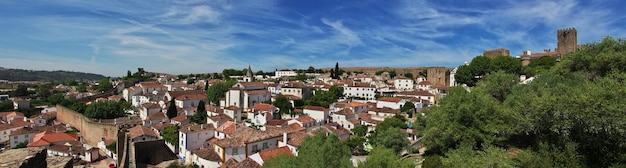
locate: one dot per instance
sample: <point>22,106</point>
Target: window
<point>265,145</point>
<point>255,149</point>
<point>235,151</point>
<point>14,137</point>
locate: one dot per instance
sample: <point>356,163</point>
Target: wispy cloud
<point>199,36</point>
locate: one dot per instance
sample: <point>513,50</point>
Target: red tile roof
<point>180,118</point>
<point>261,107</point>
<point>157,116</point>
<point>208,154</point>
<point>193,127</point>
<point>46,138</point>
<point>191,97</point>
<point>140,130</point>
<point>266,154</point>
<point>305,119</point>
<point>255,92</point>
<point>390,99</point>
<point>318,108</point>
<point>150,106</point>
<point>161,126</point>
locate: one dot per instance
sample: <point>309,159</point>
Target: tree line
<point>571,115</point>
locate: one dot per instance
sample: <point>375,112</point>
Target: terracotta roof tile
<point>390,99</point>
<point>208,154</point>
<point>318,108</point>
<point>140,130</point>
<point>193,127</point>
<point>354,121</point>
<point>305,119</point>
<point>266,154</point>
<point>46,138</point>
<point>262,107</point>
<point>192,97</point>
<point>157,116</point>
<point>180,118</point>
<point>256,92</point>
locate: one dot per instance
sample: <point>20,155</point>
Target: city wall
<point>91,131</point>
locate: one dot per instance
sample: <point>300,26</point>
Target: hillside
<point>31,75</point>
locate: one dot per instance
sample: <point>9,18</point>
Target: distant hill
<point>31,75</point>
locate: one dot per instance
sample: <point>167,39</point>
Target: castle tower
<point>567,41</point>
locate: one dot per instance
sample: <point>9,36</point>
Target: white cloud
<point>349,37</point>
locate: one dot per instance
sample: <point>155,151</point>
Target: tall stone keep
<point>437,76</point>
<point>567,41</point>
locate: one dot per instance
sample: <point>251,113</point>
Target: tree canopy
<point>104,85</point>
<point>383,157</point>
<point>570,116</point>
<point>218,90</point>
<point>316,152</point>
<point>107,109</point>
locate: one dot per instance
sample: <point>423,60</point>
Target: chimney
<point>285,138</point>
<point>201,126</point>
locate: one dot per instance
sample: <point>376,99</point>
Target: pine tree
<point>171,110</point>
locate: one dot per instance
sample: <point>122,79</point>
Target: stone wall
<point>92,131</point>
<point>496,52</point>
<point>437,76</point>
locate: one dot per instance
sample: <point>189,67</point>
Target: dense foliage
<point>481,66</point>
<point>201,115</point>
<point>218,90</point>
<point>325,98</point>
<point>383,157</point>
<point>170,135</point>
<point>569,116</point>
<point>30,75</point>
<point>283,104</point>
<point>315,152</point>
<point>107,109</point>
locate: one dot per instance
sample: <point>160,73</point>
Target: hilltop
<point>32,75</point>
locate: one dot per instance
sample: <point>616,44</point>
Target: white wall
<point>271,144</point>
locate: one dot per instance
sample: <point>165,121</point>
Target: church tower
<point>249,75</point>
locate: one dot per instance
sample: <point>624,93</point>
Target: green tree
<point>218,90</point>
<point>317,151</point>
<point>392,138</point>
<point>170,134</point>
<point>21,145</point>
<point>396,121</point>
<point>172,111</point>
<point>21,91</point>
<point>283,104</point>
<point>481,65</point>
<point>466,156</point>
<point>112,147</point>
<point>56,98</point>
<point>79,107</point>
<point>383,157</point>
<point>499,84</point>
<point>107,109</point>
<point>507,64</point>
<point>104,84</point>
<point>464,75</point>
<point>360,130</point>
<point>408,75</point>
<point>81,88</point>
<point>336,74</point>
<point>201,115</point>
<point>408,108</point>
<point>476,120</point>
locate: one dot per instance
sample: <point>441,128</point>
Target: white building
<point>360,90</point>
<point>390,102</point>
<point>403,83</point>
<point>320,114</point>
<point>284,72</point>
<point>246,94</point>
<point>193,137</point>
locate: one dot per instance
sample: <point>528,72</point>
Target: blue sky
<point>182,37</point>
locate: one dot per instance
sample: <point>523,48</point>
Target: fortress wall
<point>91,131</point>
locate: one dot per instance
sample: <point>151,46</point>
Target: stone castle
<point>567,42</point>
